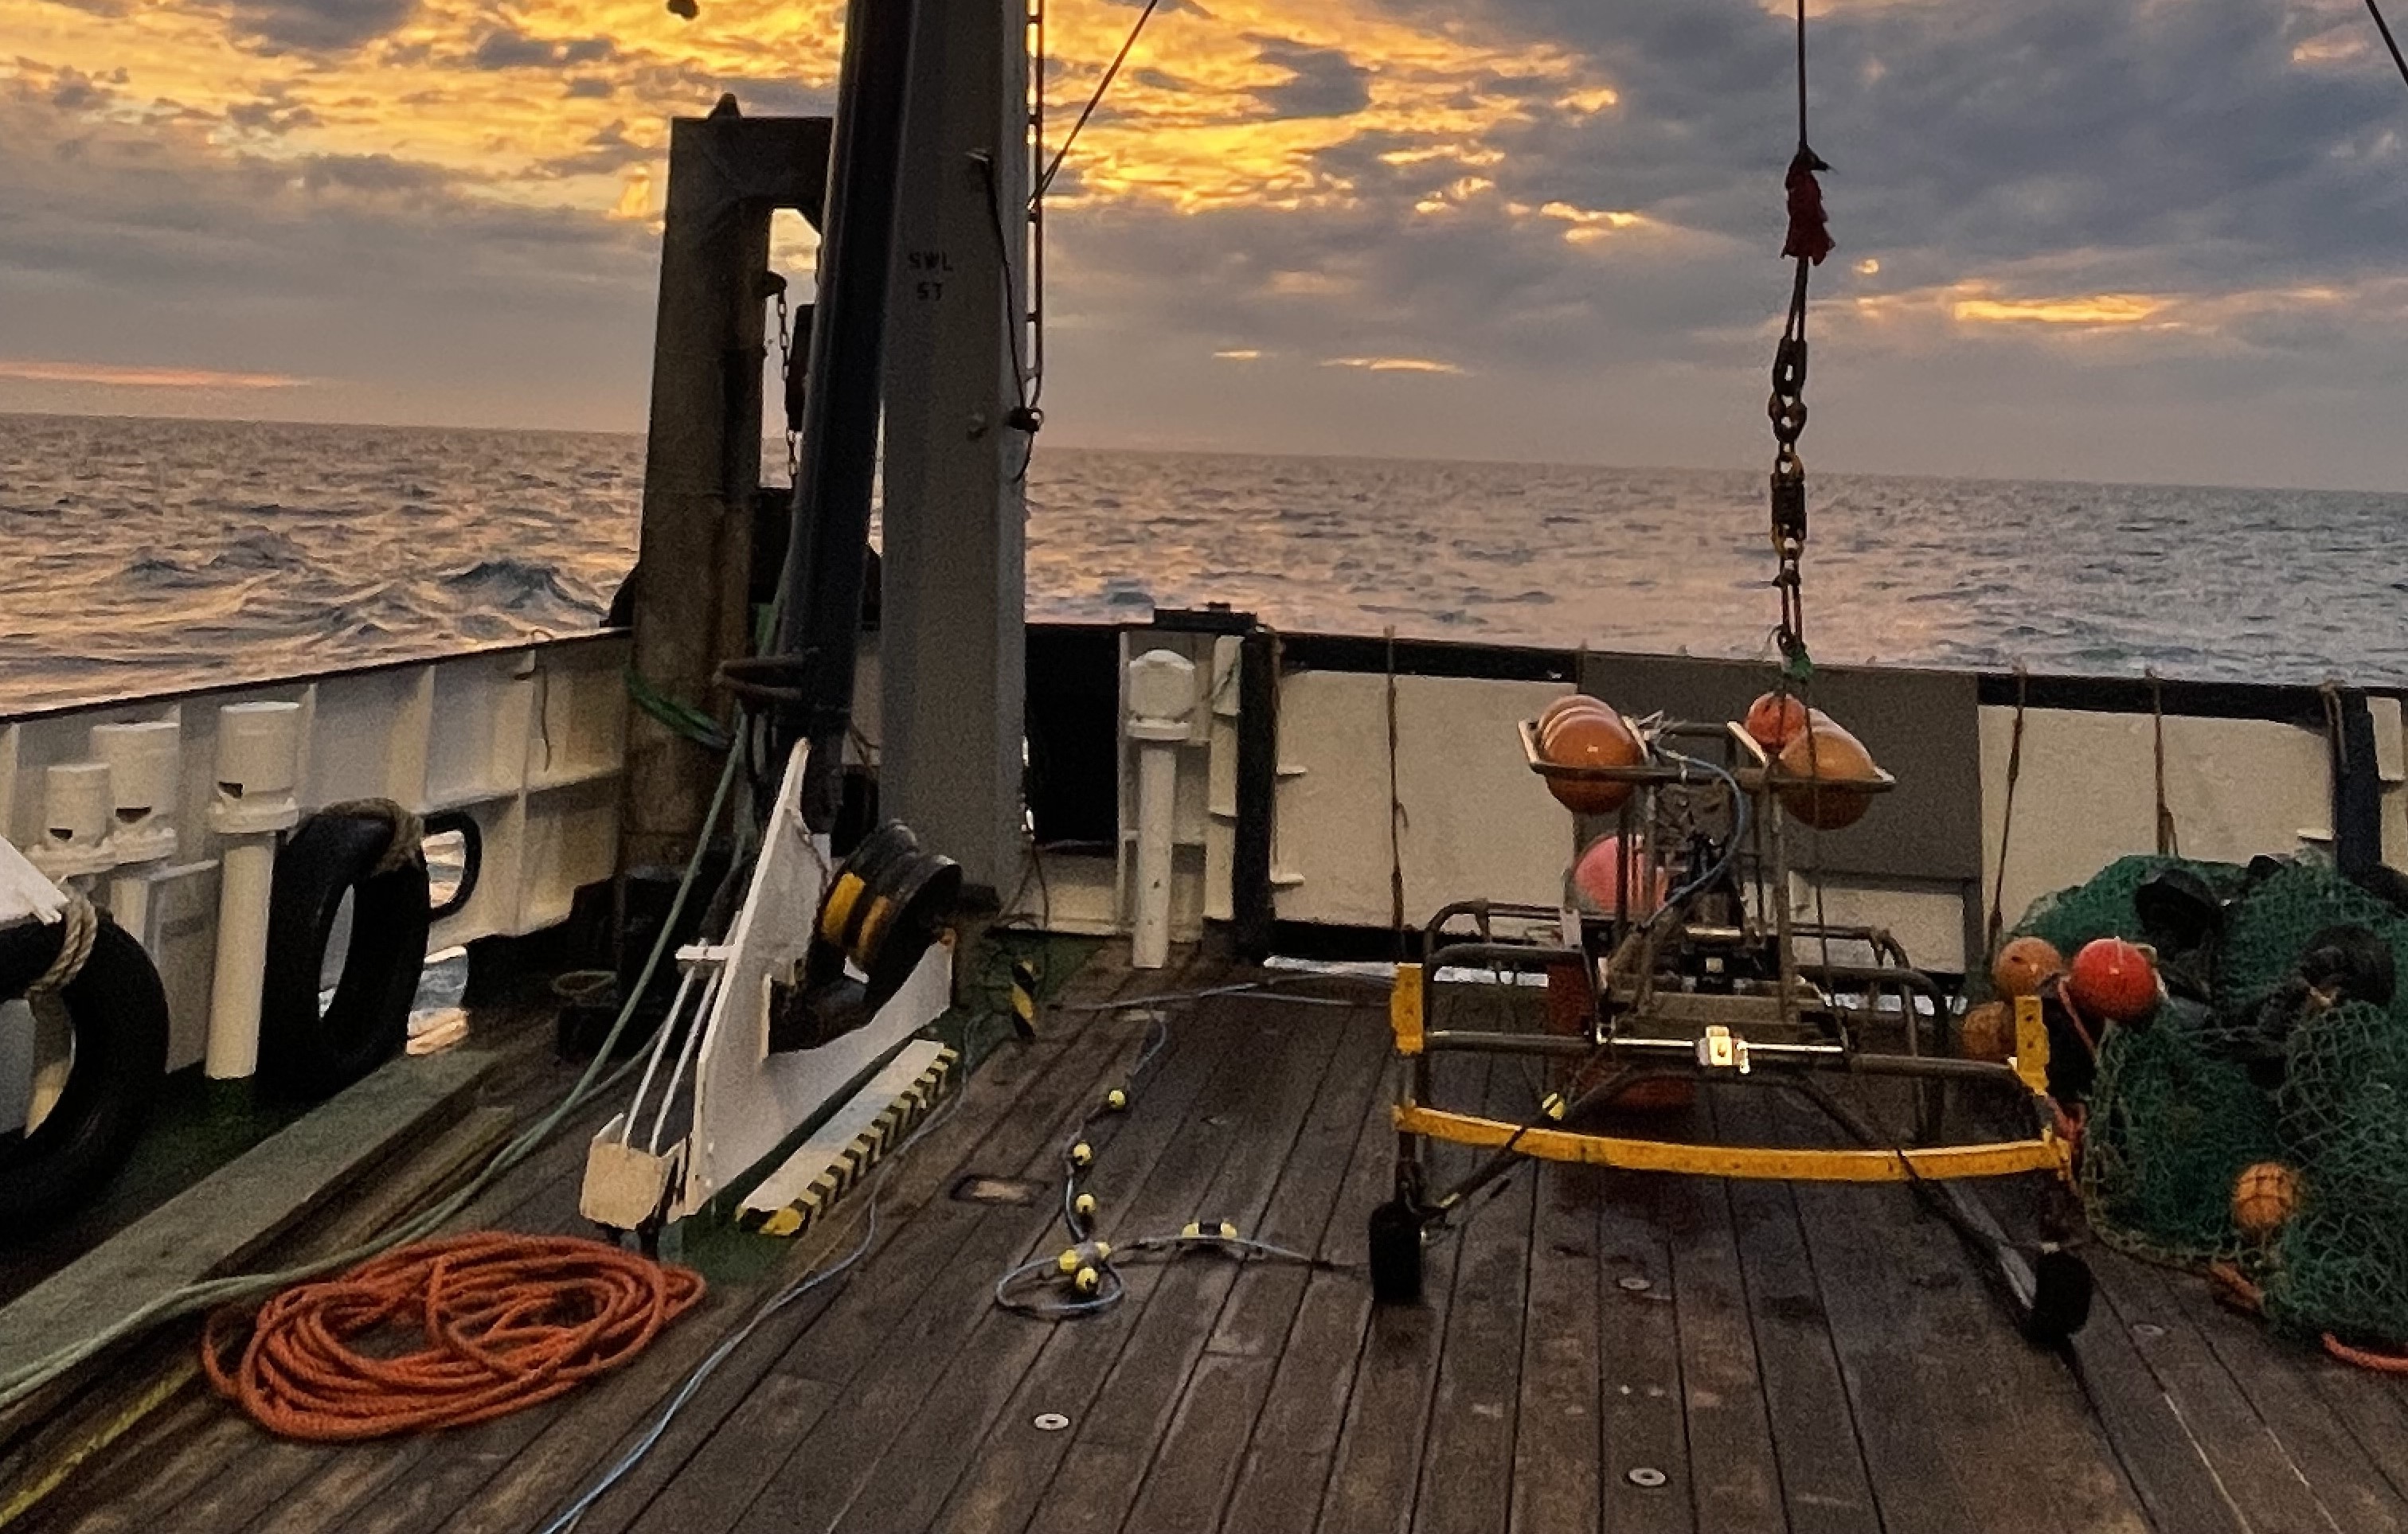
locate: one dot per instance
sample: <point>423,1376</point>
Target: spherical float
<point>2266,1194</point>
<point>1987,1033</point>
<point>1775,719</point>
<point>1580,738</point>
<point>2113,979</point>
<point>1600,875</point>
<point>1570,702</point>
<point>2023,964</point>
<point>1837,762</point>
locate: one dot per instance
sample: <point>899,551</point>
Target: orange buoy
<point>1600,874</point>
<point>2266,1194</point>
<point>1775,719</point>
<point>2023,964</point>
<point>1582,738</point>
<point>2113,979</point>
<point>1987,1033</point>
<point>1570,702</point>
<point>1836,762</point>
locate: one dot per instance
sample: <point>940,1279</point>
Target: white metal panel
<point>747,1099</point>
<point>2237,788</point>
<point>1477,821</point>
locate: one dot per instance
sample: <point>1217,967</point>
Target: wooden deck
<point>1598,1352</point>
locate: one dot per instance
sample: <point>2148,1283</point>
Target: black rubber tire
<point>118,1012</point>
<point>305,1055</point>
<point>1396,1253</point>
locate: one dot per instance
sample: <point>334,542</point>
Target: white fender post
<point>144,775</point>
<point>1161,696</point>
<point>253,801</point>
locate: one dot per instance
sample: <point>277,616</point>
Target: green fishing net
<point>2269,1070</point>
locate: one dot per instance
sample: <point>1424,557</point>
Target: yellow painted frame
<point>1771,1163</point>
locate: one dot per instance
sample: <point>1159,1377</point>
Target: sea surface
<point>142,556</point>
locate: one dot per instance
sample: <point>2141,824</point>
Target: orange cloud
<point>1392,364</point>
<point>110,375</point>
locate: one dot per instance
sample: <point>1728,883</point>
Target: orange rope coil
<point>500,1321</point>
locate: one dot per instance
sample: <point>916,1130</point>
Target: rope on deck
<point>503,1322</point>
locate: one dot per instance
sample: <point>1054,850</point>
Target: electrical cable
<point>194,1299</point>
<point>1087,1264</point>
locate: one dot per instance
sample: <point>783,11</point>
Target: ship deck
<point>1780,1358</point>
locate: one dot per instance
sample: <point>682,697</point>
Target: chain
<point>786,377</point>
<point>1809,241</point>
<point>1787,409</point>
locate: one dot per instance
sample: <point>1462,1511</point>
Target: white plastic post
<point>1161,696</point>
<point>255,770</point>
<point>74,820</point>
<point>144,762</point>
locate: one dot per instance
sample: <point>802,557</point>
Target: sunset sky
<point>2128,240</point>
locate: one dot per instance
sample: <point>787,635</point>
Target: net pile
<point>2271,1066</point>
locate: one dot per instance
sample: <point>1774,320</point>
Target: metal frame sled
<point>1713,985</point>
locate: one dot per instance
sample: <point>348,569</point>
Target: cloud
<point>504,48</point>
<point>24,370</point>
<point>316,26</point>
<point>1321,81</point>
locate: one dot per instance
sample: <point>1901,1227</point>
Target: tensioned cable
<point>1097,100</point>
<point>2389,41</point>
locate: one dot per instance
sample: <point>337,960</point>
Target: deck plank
<point>1824,1489</point>
<point>992,1127</point>
<point>886,1356</point>
<point>1643,1423</point>
<point>1296,1428</point>
<point>1467,1470</point>
<point>2279,1466</point>
<point>1376,1469</point>
<point>1939,1377</point>
<point>1192,1474</point>
<point>1011,1368</point>
<point>1556,1437</point>
<point>1735,1481</point>
<point>753,1414</point>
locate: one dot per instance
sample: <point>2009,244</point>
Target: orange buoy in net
<point>443,1333</point>
<point>1987,1033</point>
<point>1584,738</point>
<point>2113,979</point>
<point>2023,964</point>
<point>2266,1194</point>
<point>1775,719</point>
<point>1838,765</point>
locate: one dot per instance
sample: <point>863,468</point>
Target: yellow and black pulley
<point>882,910</point>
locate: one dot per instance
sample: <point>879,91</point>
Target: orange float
<point>1598,875</point>
<point>2023,964</point>
<point>1775,719</point>
<point>1988,1033</point>
<point>2266,1194</point>
<point>1836,761</point>
<point>2113,979</point>
<point>1570,702</point>
<point>1585,738</point>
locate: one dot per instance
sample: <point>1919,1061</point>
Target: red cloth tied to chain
<point>1810,229</point>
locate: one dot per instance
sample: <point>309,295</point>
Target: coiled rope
<point>503,1323</point>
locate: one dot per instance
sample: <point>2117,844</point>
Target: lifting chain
<point>1809,241</point>
<point>794,385</point>
<point>1787,409</point>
